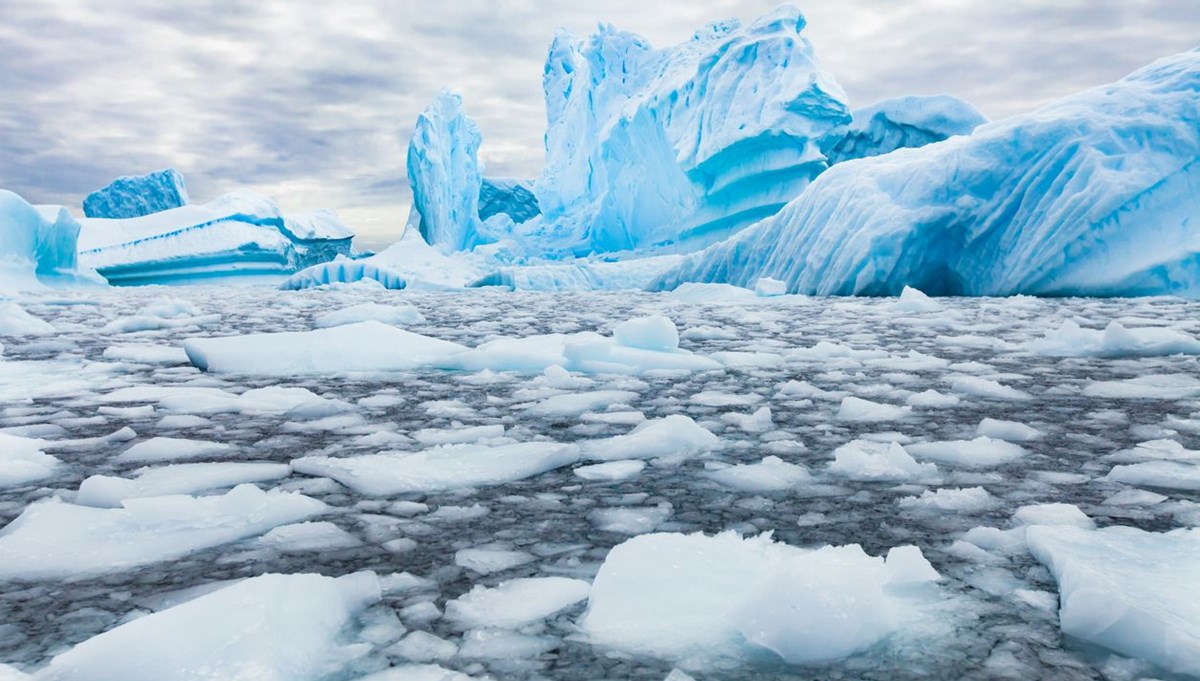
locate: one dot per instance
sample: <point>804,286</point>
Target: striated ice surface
<point>133,196</point>
<point>38,245</point>
<point>1090,195</point>
<point>904,122</point>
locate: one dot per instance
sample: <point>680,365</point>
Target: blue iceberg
<point>1097,194</point>
<point>242,235</point>
<point>506,196</point>
<point>134,196</point>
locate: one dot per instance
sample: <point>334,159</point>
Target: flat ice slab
<point>1132,591</point>
<point>269,628</point>
<point>53,540</point>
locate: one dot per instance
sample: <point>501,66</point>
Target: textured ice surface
<point>1090,195</point>
<point>22,461</point>
<point>727,123</point>
<point>133,196</point>
<point>904,122</point>
<point>515,604</point>
<point>270,628</point>
<point>1129,590</point>
<point>186,478</point>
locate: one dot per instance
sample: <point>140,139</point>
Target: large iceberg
<point>514,198</point>
<point>1092,195</point>
<point>241,234</point>
<point>136,195</point>
<point>904,122</point>
<point>727,125</point>
<point>37,244</point>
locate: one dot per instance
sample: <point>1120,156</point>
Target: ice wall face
<point>680,146</point>
<point>36,243</point>
<point>1096,194</point>
<point>443,169</point>
<point>241,234</point>
<point>904,122</point>
<point>137,195</point>
<point>513,198</point>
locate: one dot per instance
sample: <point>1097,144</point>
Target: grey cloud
<point>312,102</point>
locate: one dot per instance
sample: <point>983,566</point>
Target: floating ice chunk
<point>15,321</point>
<point>498,644</point>
<point>306,537</point>
<point>146,354</point>
<point>933,399</point>
<point>575,404</point>
<point>1135,497</point>
<point>440,468</point>
<point>1010,431</point>
<point>188,478</point>
<point>696,292</point>
<point>716,398</point>
<point>39,243</point>
<point>270,627</point>
<point>454,436</point>
<point>1069,340</point>
<point>969,500</point>
<point>487,561</point>
<point>767,287</point>
<point>22,461</point>
<point>1162,474</point>
<point>1128,590</point>
<point>365,346</point>
<point>52,540</point>
<point>648,333</point>
<point>1052,514</point>
<point>912,300</point>
<point>611,471</point>
<point>202,400</point>
<point>687,596</point>
<point>174,449</point>
<point>984,387</point>
<point>422,646</point>
<point>907,565</point>
<point>396,315</point>
<point>865,411</point>
<point>1157,450</point>
<point>630,520</point>
<point>772,474</point>
<point>758,422</point>
<point>868,461</point>
<point>982,452</point>
<point>1151,387</point>
<point>417,672</point>
<point>671,437</point>
<point>515,603</point>
<point>150,322</point>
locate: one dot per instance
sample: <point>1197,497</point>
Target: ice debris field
<point>627,419</point>
<point>358,483</point>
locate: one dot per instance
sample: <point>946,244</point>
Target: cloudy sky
<point>312,101</point>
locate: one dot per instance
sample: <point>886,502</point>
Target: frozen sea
<point>112,351</point>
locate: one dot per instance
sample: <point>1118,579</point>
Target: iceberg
<point>37,244</point>
<point>133,196</point>
<point>904,122</point>
<point>1092,195</point>
<point>241,234</point>
<point>728,124</point>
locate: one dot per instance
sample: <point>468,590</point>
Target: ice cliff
<point>37,244</point>
<point>1096,194</point>
<point>904,122</point>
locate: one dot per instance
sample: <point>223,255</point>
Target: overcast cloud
<point>312,101</point>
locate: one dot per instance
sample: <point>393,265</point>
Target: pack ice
<point>1091,195</point>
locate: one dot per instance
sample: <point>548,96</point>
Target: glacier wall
<point>904,122</point>
<point>37,244</point>
<point>133,196</point>
<point>1097,194</point>
<point>242,234</point>
<point>728,124</point>
<point>514,198</point>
